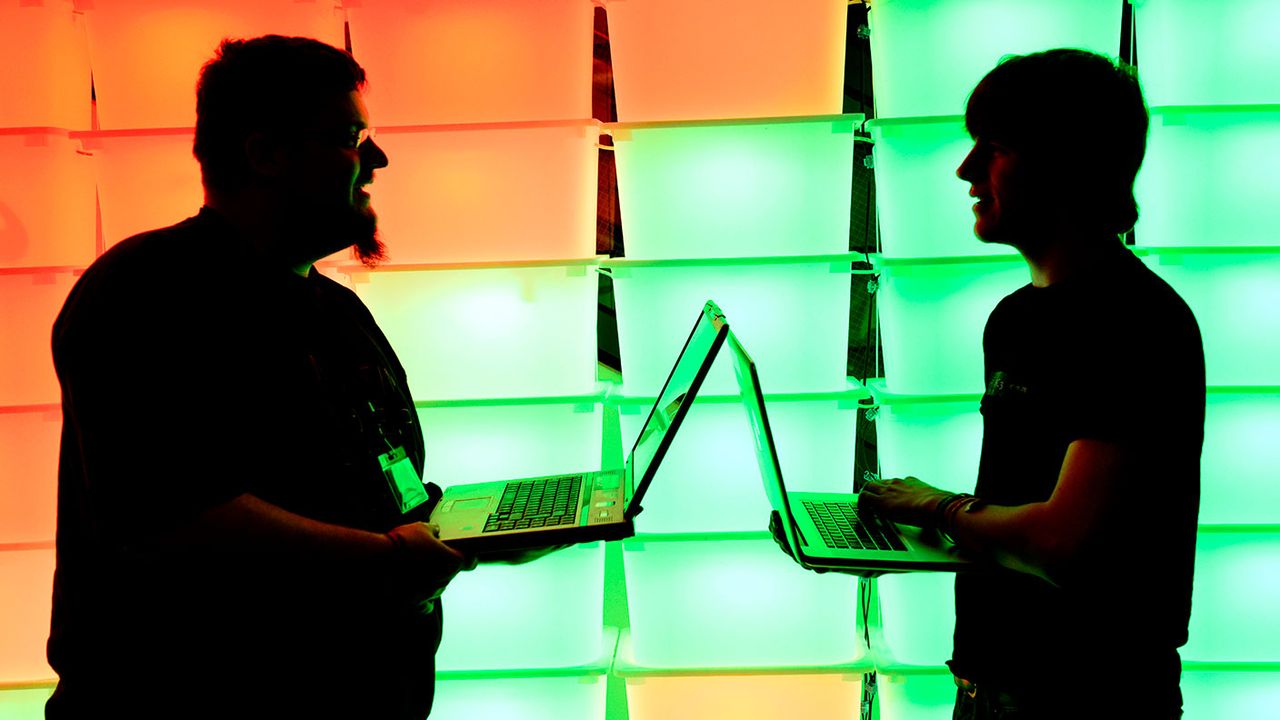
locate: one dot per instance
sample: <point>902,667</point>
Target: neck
<point>1063,258</point>
<point>269,239</point>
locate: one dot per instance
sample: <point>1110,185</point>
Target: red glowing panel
<point>26,584</point>
<point>28,475</point>
<point>46,201</point>
<point>45,82</point>
<point>30,301</point>
<point>145,182</point>
<point>448,61</point>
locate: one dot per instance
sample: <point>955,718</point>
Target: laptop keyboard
<point>840,527</point>
<point>544,502</point>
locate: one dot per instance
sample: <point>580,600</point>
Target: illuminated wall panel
<point>46,81</point>
<point>549,698</point>
<point>26,583</point>
<point>712,462</point>
<point>31,302</point>
<point>1210,177</point>
<point>935,440</point>
<point>544,614</point>
<point>1241,459</point>
<point>926,55</point>
<point>450,61</point>
<point>46,200</point>
<point>825,696</point>
<point>1222,55</point>
<point>437,199</point>
<point>735,603</point>
<point>679,60</point>
<point>932,317</point>
<point>1215,694</point>
<point>28,475</point>
<point>916,696</point>
<point>146,55</point>
<point>806,303</point>
<point>23,703</point>
<point>918,618</point>
<point>1233,296</point>
<point>1237,591</point>
<point>735,188</point>
<point>145,181</point>
<point>501,332</point>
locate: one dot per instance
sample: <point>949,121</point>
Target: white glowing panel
<point>691,600</point>
<point>46,201</point>
<point>26,362</point>
<point>712,462</point>
<point>829,696</point>
<point>46,81</point>
<point>916,696</point>
<point>476,333</point>
<point>793,318</point>
<point>145,182</point>
<point>543,614</point>
<point>917,616</point>
<point>926,55</point>
<point>1233,605</point>
<point>26,584</point>
<point>1241,459</point>
<point>28,475</point>
<point>1213,695</point>
<point>938,442</point>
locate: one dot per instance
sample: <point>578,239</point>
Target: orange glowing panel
<point>28,475</point>
<point>489,193</point>
<point>146,55</point>
<point>681,60</point>
<point>30,302</point>
<point>26,584</point>
<point>743,697</point>
<point>449,61</point>
<point>144,181</point>
<point>46,61</point>
<point>46,200</point>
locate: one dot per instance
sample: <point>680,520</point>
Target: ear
<point>266,155</point>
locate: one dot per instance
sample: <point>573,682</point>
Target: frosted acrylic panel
<point>28,475</point>
<point>26,363</point>
<point>46,202</point>
<point>938,442</point>
<point>1233,605</point>
<point>926,55</point>
<point>46,61</point>
<point>691,603</point>
<point>744,697</point>
<point>735,190</point>
<point>526,332</point>
<point>1236,58</point>
<point>478,444</point>
<point>1241,460</point>
<point>26,584</point>
<point>794,318</point>
<point>449,61</point>
<point>917,616</point>
<point>1209,695</point>
<point>1234,297</point>
<point>925,696</point>
<point>712,463</point>
<point>680,60</point>
<point>488,195</point>
<point>553,698</point>
<point>24,704</point>
<point>145,182</point>
<point>933,317</point>
<point>543,614</point>
<point>1211,178</point>
<point>147,55</point>
<point>924,209</point>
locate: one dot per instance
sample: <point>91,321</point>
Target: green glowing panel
<point>553,698</point>
<point>815,441</point>
<point>543,614</point>
<point>926,55</point>
<point>46,208</point>
<point>1241,460</point>
<point>924,209</point>
<point>1211,178</point>
<point>26,367</point>
<point>1237,591</point>
<point>478,444</point>
<point>729,190</point>
<point>1236,58</point>
<point>475,333</point>
<point>1210,695</point>
<point>917,618</point>
<point>932,318</point>
<point>1234,297</point>
<point>923,696</point>
<point>938,442</point>
<point>735,603</point>
<point>28,475</point>
<point>26,577</point>
<point>744,697</point>
<point>793,318</point>
<point>25,704</point>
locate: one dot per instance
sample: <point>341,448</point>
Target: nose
<point>372,154</point>
<point>967,166</point>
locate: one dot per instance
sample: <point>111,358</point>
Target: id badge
<point>402,478</point>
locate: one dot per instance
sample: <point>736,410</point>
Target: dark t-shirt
<point>191,376</point>
<point>1116,356</point>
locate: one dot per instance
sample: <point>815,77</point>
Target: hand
<point>517,557</point>
<point>423,565</point>
<point>906,500</point>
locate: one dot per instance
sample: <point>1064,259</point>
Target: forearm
<point>1021,537</point>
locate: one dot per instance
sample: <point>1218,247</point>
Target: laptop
<point>582,507</point>
<point>826,530</point>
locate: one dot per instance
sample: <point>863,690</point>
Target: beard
<point>329,230</point>
<point>366,240</point>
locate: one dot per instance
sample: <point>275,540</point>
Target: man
<point>1088,484</point>
<point>239,503</point>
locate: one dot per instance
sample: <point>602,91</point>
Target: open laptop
<point>587,506</point>
<point>825,530</point>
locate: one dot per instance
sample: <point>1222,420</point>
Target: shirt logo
<point>1000,385</point>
